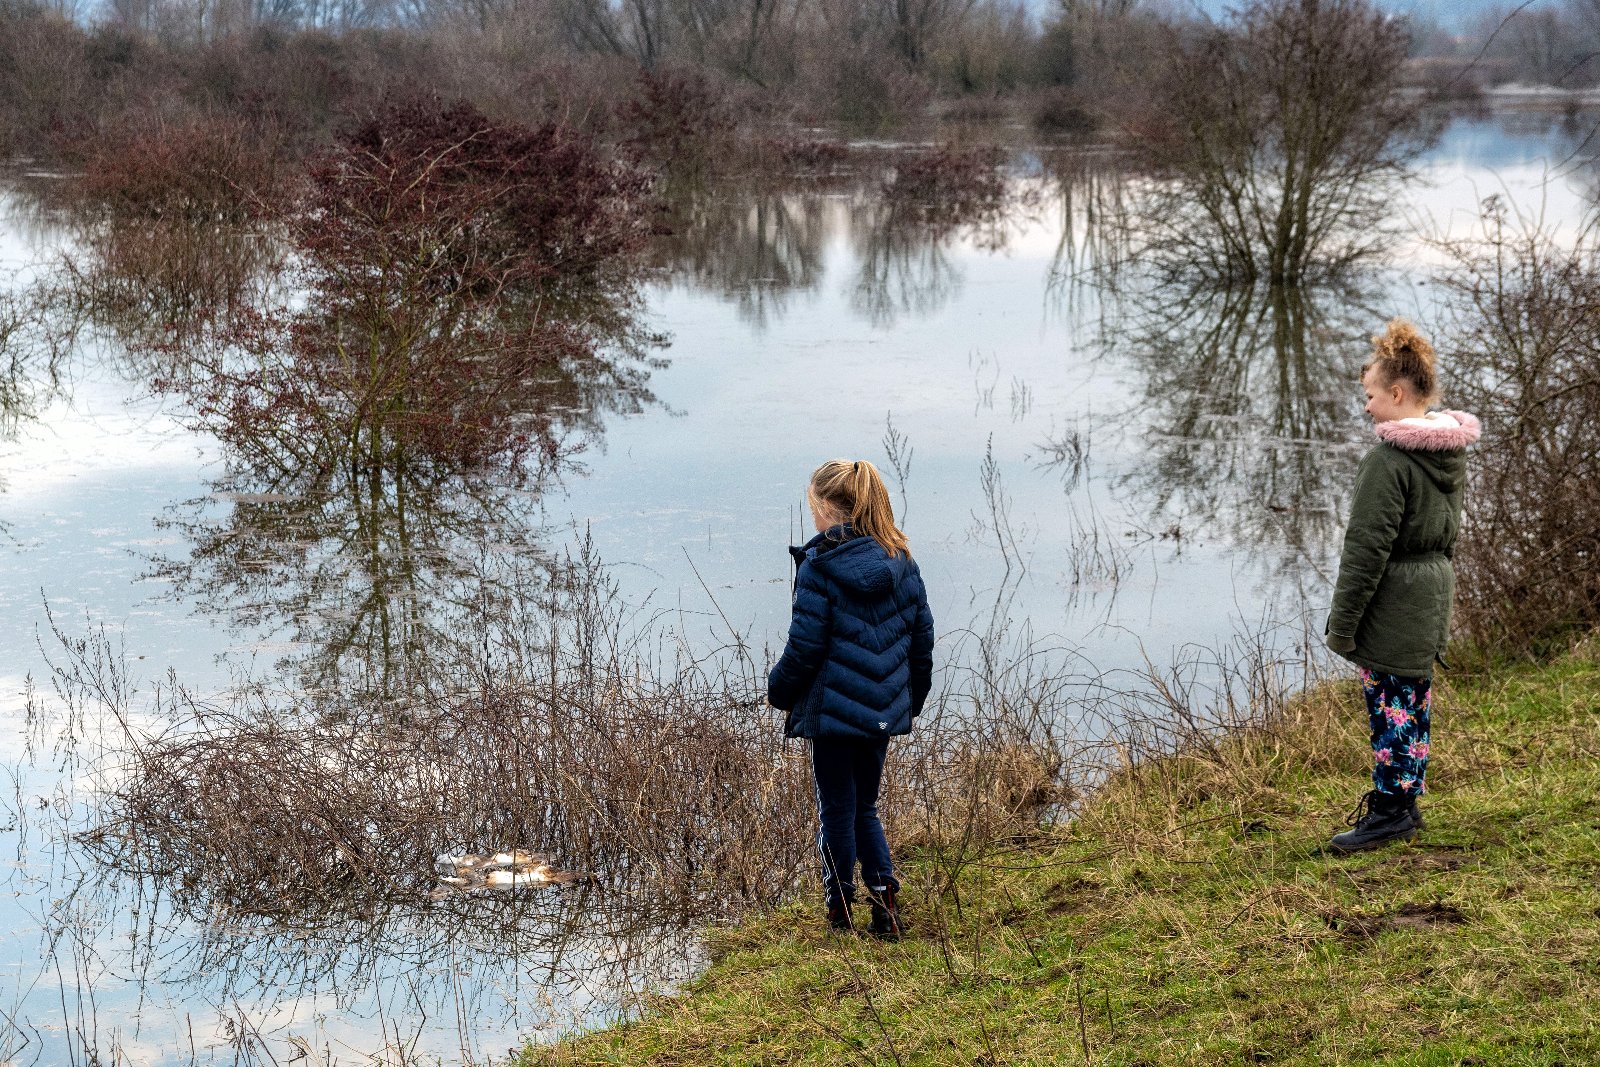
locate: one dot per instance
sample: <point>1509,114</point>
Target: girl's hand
<point>1341,643</point>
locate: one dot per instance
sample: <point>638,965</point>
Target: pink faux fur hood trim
<point>1416,435</point>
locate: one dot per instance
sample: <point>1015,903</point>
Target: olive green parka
<point>1392,601</point>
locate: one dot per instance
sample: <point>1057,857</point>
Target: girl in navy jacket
<point>855,671</point>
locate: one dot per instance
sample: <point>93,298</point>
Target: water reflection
<point>903,236</point>
<point>367,573</point>
<point>758,243</point>
<point>23,380</point>
<point>904,265</point>
<point>152,282</point>
<point>147,280</point>
<point>368,545</point>
<point>32,351</point>
<point>1092,193</point>
<point>753,244</point>
<point>142,967</point>
<point>1250,409</point>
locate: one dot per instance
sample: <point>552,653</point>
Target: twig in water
<point>898,447</point>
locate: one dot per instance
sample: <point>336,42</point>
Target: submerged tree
<point>467,295</point>
<point>1276,140</point>
<point>464,281</point>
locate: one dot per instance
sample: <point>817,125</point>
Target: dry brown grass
<point>587,733</point>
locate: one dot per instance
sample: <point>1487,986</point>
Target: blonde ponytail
<point>1401,352</point>
<point>855,489</point>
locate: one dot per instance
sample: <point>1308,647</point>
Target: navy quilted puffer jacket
<point>859,660</point>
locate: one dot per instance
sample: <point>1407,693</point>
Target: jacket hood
<point>855,561</point>
<point>1437,444</point>
<point>1440,431</point>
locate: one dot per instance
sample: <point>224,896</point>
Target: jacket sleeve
<point>1375,513</point>
<point>921,651</point>
<point>809,628</point>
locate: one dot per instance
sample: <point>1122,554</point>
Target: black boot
<point>839,919</point>
<point>886,924</point>
<point>1378,819</point>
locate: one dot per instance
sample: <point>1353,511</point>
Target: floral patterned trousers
<point>1398,711</point>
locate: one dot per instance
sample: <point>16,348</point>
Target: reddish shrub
<point>678,120</point>
<point>949,184</point>
<point>203,170</point>
<point>462,276</point>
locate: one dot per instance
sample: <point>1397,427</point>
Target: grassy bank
<point>1192,915</point>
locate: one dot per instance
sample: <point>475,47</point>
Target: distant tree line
<point>74,72</point>
<point>70,69</point>
<point>1545,43</point>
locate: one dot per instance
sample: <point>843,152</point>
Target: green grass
<point>1193,916</point>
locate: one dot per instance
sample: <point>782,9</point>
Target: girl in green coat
<point>1391,604</point>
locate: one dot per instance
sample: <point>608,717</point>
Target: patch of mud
<point>1411,863</point>
<point>1432,859</point>
<point>1428,916</point>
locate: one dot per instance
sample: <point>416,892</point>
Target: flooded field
<point>1090,466</point>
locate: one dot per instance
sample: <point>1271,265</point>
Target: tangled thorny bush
<point>1523,348</point>
<point>671,794</point>
<point>663,776</point>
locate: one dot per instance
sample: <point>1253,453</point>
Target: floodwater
<point>1116,474</point>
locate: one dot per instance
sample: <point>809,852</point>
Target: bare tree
<point>917,25</point>
<point>1523,338</point>
<point>1277,136</point>
<point>753,39</point>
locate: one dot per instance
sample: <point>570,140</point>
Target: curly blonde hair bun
<point>1401,352</point>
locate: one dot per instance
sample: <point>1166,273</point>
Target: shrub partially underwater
<point>216,170</point>
<point>587,733</point>
<point>949,185</point>
<point>462,278</point>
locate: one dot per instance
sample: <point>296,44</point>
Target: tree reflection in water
<point>385,437</point>
<point>1091,190</point>
<point>369,573</point>
<point>905,266</point>
<point>1251,409</point>
<point>142,279</point>
<point>759,241</point>
<point>374,557</point>
<point>902,236</point>
<point>755,243</point>
<point>31,354</point>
